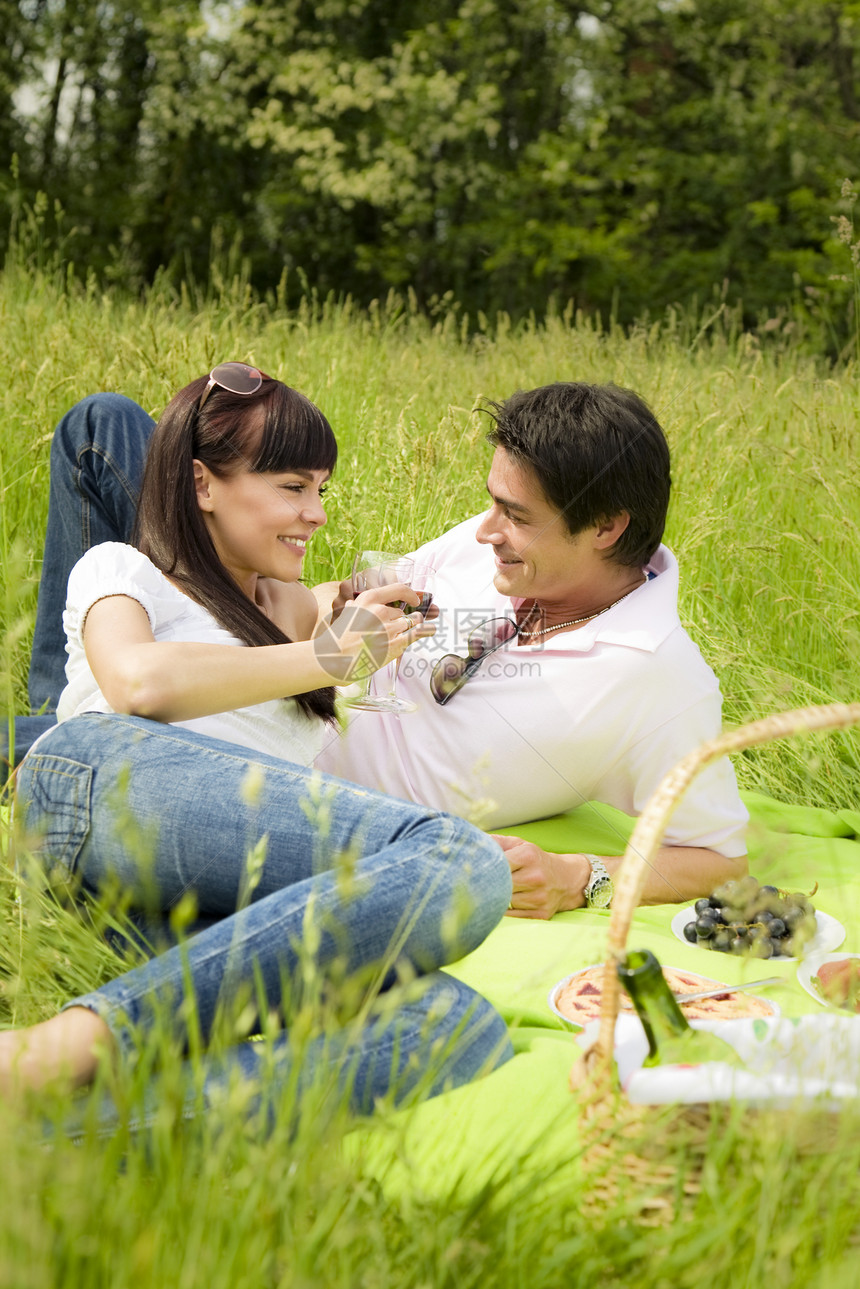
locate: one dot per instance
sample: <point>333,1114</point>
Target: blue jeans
<point>364,884</point>
<point>97,458</point>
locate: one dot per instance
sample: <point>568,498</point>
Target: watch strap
<point>599,889</point>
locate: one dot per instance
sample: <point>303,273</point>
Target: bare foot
<point>64,1050</point>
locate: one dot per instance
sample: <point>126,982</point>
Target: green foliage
<point>764,521</point>
<point>299,1198</point>
<point>764,514</point>
<point>618,153</point>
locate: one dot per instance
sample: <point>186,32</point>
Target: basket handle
<point>651,825</point>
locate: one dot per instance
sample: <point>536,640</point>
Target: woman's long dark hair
<point>274,429</point>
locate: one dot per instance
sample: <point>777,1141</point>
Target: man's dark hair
<point>596,450</point>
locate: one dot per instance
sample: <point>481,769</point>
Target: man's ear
<point>202,481</point>
<point>609,530</point>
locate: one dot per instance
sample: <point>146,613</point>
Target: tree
<point>619,152</point>
<point>14,49</point>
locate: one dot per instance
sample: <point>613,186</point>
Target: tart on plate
<point>576,999</point>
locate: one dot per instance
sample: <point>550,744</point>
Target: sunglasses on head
<point>237,378</point>
<point>451,672</point>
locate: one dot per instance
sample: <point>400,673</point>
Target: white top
<point>278,727</point>
<point>596,714</point>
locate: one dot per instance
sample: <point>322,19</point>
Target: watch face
<point>600,895</point>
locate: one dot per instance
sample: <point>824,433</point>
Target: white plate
<point>810,967</point>
<point>707,983</point>
<point>829,935</point>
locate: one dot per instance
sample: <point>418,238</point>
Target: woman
<point>179,764</point>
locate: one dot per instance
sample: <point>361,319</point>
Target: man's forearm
<point>681,873</point>
<point>546,883</point>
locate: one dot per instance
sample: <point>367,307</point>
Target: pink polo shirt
<point>596,714</point>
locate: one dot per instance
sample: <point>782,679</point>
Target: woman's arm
<point>179,680</point>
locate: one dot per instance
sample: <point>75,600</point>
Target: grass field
<point>764,521</point>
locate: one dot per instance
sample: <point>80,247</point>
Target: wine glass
<point>372,569</point>
<point>423,581</point>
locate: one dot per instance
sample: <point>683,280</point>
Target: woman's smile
<point>298,544</point>
<point>244,513</point>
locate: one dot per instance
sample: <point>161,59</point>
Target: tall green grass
<point>764,521</point>
<point>764,517</point>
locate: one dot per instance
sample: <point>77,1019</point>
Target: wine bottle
<point>671,1040</point>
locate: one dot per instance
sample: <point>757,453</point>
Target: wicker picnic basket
<point>628,1146</point>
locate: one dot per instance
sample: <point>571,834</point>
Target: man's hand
<point>343,595</point>
<point>333,597</point>
<point>544,883</point>
<point>369,632</point>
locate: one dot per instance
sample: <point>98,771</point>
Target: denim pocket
<point>53,796</point>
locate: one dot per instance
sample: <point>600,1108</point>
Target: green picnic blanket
<point>521,1121</point>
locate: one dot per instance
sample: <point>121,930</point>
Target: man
<point>596,693</point>
<point>601,691</point>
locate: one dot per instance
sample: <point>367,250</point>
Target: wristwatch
<point>599,888</point>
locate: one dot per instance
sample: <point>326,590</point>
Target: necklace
<point>574,622</point>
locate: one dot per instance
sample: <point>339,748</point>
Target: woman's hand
<point>181,680</point>
<point>371,630</point>
<point>333,597</point>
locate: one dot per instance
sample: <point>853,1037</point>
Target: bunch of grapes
<point>763,921</point>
